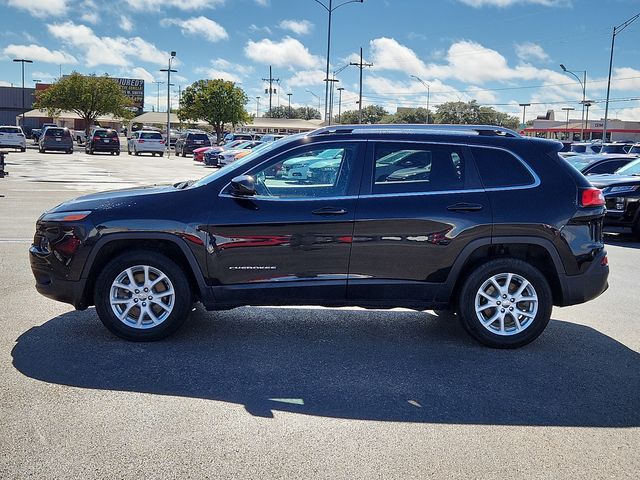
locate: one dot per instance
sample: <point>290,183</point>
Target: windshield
<point>240,164</point>
<point>613,149</point>
<point>632,168</point>
<point>579,148</point>
<point>578,162</point>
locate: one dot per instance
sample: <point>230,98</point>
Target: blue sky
<point>488,50</point>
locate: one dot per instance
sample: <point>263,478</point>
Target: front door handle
<point>329,211</point>
<point>465,207</point>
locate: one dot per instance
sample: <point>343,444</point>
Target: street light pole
<point>568,109</point>
<point>169,70</point>
<point>289,95</point>
<point>257,107</point>
<point>158,83</point>
<point>583,83</point>
<point>340,89</point>
<point>524,113</point>
<point>587,103</point>
<point>23,61</point>
<point>330,9</point>
<point>616,31</point>
<point>428,93</point>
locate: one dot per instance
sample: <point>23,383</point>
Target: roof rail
<point>488,130</point>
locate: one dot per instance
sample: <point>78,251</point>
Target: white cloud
<point>125,23</point>
<point>625,78</point>
<point>116,51</point>
<point>5,84</point>
<point>144,74</point>
<point>253,28</point>
<point>288,52</point>
<point>305,78</point>
<point>263,3</point>
<point>226,70</point>
<point>531,51</point>
<point>509,3</point>
<point>221,63</point>
<point>40,54</point>
<point>215,74</point>
<point>41,8</point>
<point>44,76</point>
<point>90,17</point>
<point>154,5</point>
<point>201,27</point>
<point>299,27</point>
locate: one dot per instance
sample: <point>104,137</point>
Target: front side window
<point>400,168</point>
<point>308,172</point>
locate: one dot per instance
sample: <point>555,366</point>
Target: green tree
<point>411,115</point>
<point>370,114</point>
<point>215,101</point>
<point>470,113</point>
<point>89,96</point>
<point>304,113</point>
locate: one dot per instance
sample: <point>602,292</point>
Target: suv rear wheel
<point>505,303</point>
<point>142,296</point>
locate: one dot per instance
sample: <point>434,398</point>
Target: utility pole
<point>524,113</point>
<point>587,103</point>
<point>583,84</point>
<point>158,83</point>
<point>361,66</point>
<point>257,107</point>
<point>340,89</point>
<point>270,80</point>
<point>289,95</point>
<point>169,70</point>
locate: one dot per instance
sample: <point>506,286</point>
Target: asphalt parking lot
<point>300,392</point>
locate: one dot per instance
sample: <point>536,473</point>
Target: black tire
<point>183,299</point>
<point>90,151</point>
<point>23,150</point>
<point>161,154</point>
<point>473,283</point>
<point>118,152</point>
<point>635,230</point>
<point>128,151</point>
<point>136,153</point>
<point>70,152</point>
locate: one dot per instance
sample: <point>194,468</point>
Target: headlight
<point>65,216</point>
<point>624,189</point>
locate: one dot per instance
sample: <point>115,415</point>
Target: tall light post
<point>158,83</point>
<point>568,109</point>
<point>257,107</point>
<point>583,83</point>
<point>587,103</point>
<point>289,95</point>
<point>333,81</point>
<point>22,61</point>
<point>169,70</point>
<point>616,31</point>
<point>524,113</point>
<point>330,9</point>
<point>340,89</point>
<point>428,93</point>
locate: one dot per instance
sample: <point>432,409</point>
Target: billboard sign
<point>133,88</point>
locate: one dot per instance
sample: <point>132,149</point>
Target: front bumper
<point>585,286</point>
<point>51,286</point>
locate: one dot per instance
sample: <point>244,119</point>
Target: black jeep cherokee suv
<point>473,219</point>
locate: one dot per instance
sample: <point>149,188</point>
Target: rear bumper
<point>585,286</point>
<point>106,148</point>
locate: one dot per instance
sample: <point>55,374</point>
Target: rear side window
<point>57,132</point>
<point>607,167</point>
<point>499,168</point>
<point>405,168</point>
<point>151,135</point>
<point>199,136</point>
<point>10,130</point>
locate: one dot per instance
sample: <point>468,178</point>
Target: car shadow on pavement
<point>398,366</point>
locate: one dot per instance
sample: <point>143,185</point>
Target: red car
<point>198,153</point>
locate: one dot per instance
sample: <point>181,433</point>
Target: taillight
<point>591,197</point>
<point>162,142</point>
<point>95,139</point>
<point>140,141</point>
<point>605,261</point>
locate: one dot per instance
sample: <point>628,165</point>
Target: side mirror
<point>243,186</point>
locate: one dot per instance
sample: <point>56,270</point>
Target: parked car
<point>622,195</point>
<point>228,156</point>
<point>189,141</point>
<point>12,137</point>
<point>615,148</point>
<point>146,141</point>
<point>103,140</point>
<point>599,164</point>
<point>270,137</point>
<point>198,153</point>
<point>56,139</point>
<point>586,148</point>
<point>36,132</point>
<point>501,231</point>
<point>297,169</point>
<point>230,137</point>
<point>635,149</point>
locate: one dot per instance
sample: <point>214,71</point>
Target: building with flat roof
<point>549,127</point>
<point>11,104</point>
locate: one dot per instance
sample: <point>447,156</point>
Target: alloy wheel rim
<point>142,297</point>
<point>506,304</point>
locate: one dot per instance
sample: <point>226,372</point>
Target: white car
<point>298,168</point>
<point>146,141</point>
<point>13,137</point>
<point>229,156</point>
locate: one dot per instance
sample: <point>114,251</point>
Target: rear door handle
<point>465,207</point>
<point>329,211</point>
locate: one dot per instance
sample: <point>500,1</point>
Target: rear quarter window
<point>499,168</point>
<point>10,130</point>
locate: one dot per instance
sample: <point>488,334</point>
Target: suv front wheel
<point>142,296</point>
<point>505,303</point>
